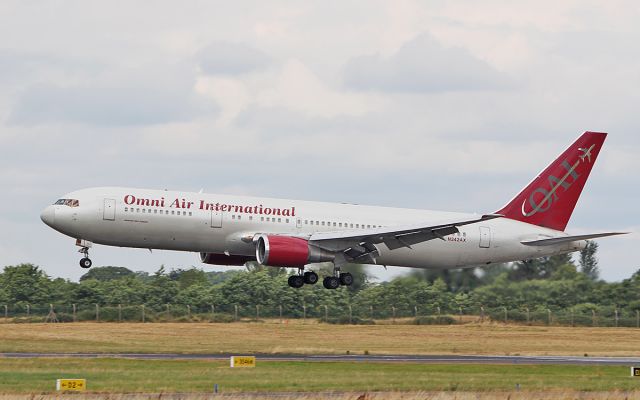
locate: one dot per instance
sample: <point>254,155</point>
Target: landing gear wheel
<point>346,279</point>
<point>310,278</point>
<point>296,281</point>
<point>85,263</point>
<point>331,282</point>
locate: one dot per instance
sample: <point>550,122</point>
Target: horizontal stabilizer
<point>566,239</point>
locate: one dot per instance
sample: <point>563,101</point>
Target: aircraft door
<point>485,237</point>
<point>109,212</point>
<point>216,219</point>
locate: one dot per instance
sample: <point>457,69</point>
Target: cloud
<point>110,104</point>
<point>16,67</point>
<point>226,58</point>
<point>423,65</point>
<point>323,114</point>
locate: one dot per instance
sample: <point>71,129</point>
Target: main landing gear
<point>311,278</point>
<point>302,278</point>
<point>338,279</point>
<point>85,262</point>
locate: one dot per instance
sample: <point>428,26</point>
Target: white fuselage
<point>224,224</point>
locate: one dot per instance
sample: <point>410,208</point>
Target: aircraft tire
<point>346,279</point>
<point>85,263</point>
<point>310,278</point>
<point>296,281</point>
<point>331,282</point>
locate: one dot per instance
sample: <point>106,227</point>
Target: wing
<point>359,246</point>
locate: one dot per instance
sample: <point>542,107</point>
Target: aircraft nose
<point>48,215</point>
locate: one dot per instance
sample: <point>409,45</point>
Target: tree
<point>588,261</point>
<point>161,290</point>
<point>254,266</point>
<point>25,283</point>
<point>106,273</point>
<point>539,268</point>
<point>188,277</point>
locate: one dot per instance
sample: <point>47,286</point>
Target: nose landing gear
<point>84,245</point>
<point>85,262</point>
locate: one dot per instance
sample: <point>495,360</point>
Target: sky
<point>443,105</point>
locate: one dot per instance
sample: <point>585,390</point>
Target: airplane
<point>233,230</point>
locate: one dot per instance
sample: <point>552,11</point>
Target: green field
<point>122,375</point>
<point>114,375</point>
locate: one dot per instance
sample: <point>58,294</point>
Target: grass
<point>553,395</point>
<point>125,376</point>
<point>423,381</point>
<point>493,339</point>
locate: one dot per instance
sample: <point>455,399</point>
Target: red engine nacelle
<point>287,251</point>
<point>223,259</point>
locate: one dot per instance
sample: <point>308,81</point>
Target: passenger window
<point>250,217</point>
<point>239,216</point>
<point>334,224</point>
<point>317,223</point>
<point>233,217</point>
<point>190,213</point>
<point>279,219</point>
<point>306,222</point>
<point>368,226</point>
<point>144,210</point>
<point>126,208</point>
<point>268,219</point>
<point>173,212</point>
<point>262,219</point>
<point>287,220</point>
<point>357,225</point>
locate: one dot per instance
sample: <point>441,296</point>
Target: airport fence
<point>580,315</point>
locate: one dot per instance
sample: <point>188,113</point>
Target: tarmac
<point>397,358</point>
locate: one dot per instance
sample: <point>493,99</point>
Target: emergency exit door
<point>109,213</point>
<point>216,219</point>
<point>485,237</point>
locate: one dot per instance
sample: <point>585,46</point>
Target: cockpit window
<point>68,202</point>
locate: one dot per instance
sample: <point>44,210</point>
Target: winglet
<point>550,198</point>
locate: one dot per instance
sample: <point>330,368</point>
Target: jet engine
<point>287,251</point>
<point>223,259</point>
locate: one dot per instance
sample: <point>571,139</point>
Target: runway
<point>418,359</point>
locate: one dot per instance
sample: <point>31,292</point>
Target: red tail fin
<point>551,197</point>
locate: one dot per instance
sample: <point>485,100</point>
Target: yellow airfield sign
<point>243,361</point>
<point>77,385</point>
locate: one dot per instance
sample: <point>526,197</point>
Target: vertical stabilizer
<point>551,197</point>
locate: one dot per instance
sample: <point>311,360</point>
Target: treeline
<point>538,290</point>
